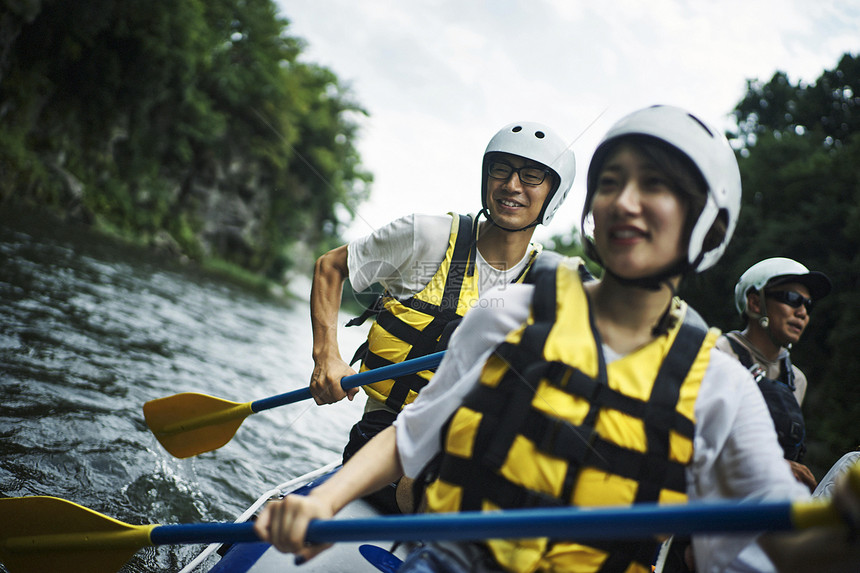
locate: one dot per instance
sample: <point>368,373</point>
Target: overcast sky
<point>440,77</point>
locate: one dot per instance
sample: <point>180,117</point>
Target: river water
<point>91,329</point>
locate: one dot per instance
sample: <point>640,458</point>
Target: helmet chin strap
<point>654,283</point>
<point>486,213</point>
<point>473,247</point>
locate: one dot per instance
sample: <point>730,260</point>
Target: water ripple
<point>92,330</point>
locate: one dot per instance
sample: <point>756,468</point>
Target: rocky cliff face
<point>230,204</point>
<point>226,206</point>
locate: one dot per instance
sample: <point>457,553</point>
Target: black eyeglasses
<point>791,298</point>
<point>527,175</point>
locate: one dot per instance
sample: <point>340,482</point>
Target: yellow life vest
<point>411,328</point>
<point>552,424</point>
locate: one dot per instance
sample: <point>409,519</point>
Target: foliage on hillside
<point>195,126</point>
<point>192,125</point>
<point>799,154</point>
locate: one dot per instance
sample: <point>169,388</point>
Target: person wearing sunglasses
<point>591,392</point>
<point>775,298</point>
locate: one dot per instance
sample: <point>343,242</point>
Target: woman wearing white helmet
<point>606,392</point>
<point>774,297</point>
<point>433,269</point>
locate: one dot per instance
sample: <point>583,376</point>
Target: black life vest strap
<point>402,385</point>
<point>662,417</point>
<point>372,310</point>
<point>520,381</point>
<point>486,483</point>
<point>507,412</point>
<point>533,258</point>
<point>622,553</point>
<point>425,341</point>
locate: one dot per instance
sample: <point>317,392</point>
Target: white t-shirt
<point>736,453</point>
<point>404,255</point>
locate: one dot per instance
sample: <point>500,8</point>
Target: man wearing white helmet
<point>601,392</point>
<point>433,269</point>
<point>775,297</point>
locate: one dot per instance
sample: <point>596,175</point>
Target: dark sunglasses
<point>791,298</point>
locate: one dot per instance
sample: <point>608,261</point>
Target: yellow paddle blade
<point>189,424</point>
<point>41,534</point>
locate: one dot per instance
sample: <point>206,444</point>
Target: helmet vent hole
<point>517,129</point>
<point>540,134</point>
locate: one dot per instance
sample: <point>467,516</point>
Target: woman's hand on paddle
<point>284,524</point>
<point>325,381</point>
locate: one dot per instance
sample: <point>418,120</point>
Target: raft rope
<point>277,491</point>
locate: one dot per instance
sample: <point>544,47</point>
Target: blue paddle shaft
<point>643,520</point>
<point>368,377</point>
<point>640,521</point>
<point>203,533</point>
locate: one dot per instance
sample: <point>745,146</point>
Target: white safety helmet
<point>539,143</point>
<point>710,153</point>
<point>775,271</point>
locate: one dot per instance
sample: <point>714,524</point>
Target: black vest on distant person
<point>779,397</point>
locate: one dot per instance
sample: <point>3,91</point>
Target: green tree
<point>799,155</point>
<point>192,120</point>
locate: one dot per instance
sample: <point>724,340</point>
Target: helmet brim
<point>818,284</point>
